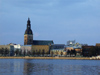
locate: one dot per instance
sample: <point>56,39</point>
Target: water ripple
<point>49,67</point>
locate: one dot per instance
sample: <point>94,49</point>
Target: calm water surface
<point>49,67</point>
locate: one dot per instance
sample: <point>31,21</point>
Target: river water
<point>49,67</point>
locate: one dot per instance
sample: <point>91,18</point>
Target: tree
<point>43,52</point>
<point>51,53</point>
<point>24,53</point>
<point>17,52</point>
<point>39,51</point>
<point>33,52</point>
<point>6,52</point>
<point>71,52</point>
<point>68,52</point>
<point>61,53</point>
<point>28,53</point>
<point>56,53</point>
<point>2,51</point>
<point>92,52</point>
<point>74,52</point>
<point>36,52</point>
<point>20,52</point>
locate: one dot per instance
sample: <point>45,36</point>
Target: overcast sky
<point>57,20</point>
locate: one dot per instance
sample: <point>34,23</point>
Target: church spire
<point>28,20</point>
<point>28,29</point>
<point>28,24</point>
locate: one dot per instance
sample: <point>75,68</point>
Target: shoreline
<point>74,58</point>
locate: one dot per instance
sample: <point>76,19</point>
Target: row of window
<point>4,49</point>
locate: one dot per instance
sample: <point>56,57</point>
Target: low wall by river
<point>81,58</point>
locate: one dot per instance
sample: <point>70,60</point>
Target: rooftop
<point>42,42</point>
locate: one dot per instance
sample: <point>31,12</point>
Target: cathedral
<point>28,37</point>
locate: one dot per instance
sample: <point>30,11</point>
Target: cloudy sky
<point>57,20</point>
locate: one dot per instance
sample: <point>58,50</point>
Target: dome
<point>28,31</point>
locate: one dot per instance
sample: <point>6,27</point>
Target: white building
<point>26,48</point>
<point>16,46</point>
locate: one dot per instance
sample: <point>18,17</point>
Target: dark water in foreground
<point>49,67</point>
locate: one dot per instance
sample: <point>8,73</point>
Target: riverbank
<point>79,58</point>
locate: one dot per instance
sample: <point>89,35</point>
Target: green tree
<point>36,52</point>
<point>33,52</point>
<point>68,52</point>
<point>61,53</point>
<point>20,52</point>
<point>74,52</point>
<point>39,51</point>
<point>28,53</point>
<point>2,51</point>
<point>24,53</point>
<point>71,52</point>
<point>43,52</point>
<point>17,52</point>
<point>92,51</point>
<point>6,52</point>
<point>51,53</point>
<point>56,52</point>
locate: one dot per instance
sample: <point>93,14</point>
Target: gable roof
<point>42,42</point>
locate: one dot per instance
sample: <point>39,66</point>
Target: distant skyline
<point>57,20</point>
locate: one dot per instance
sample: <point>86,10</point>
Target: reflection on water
<point>39,68</point>
<point>49,67</point>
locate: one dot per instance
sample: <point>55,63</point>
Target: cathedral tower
<point>28,36</point>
